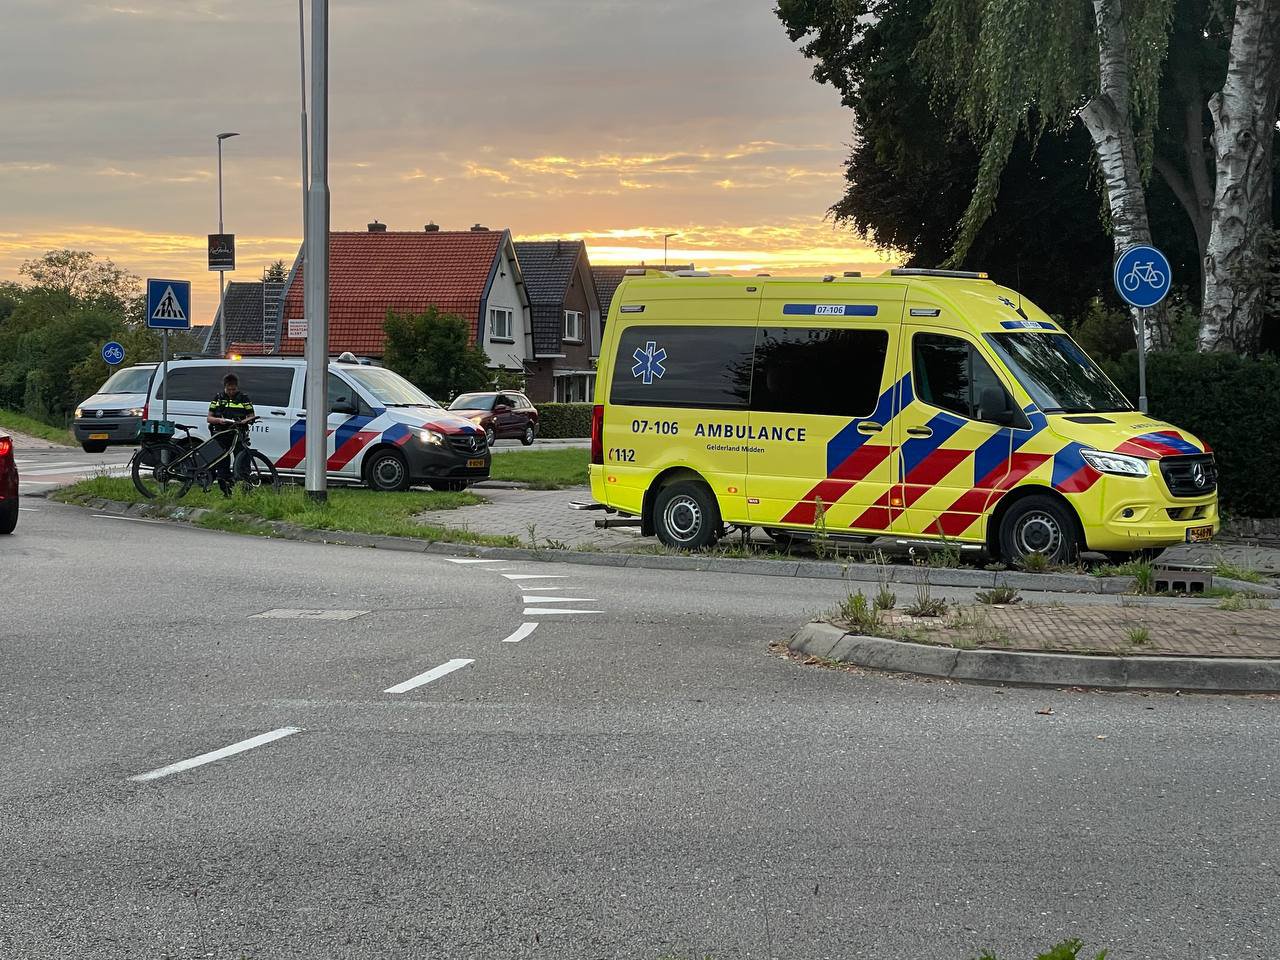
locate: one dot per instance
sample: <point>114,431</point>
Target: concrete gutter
<point>853,571</point>
<point>1192,674</point>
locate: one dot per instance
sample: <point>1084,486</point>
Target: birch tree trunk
<point>1110,125</point>
<point>1244,123</point>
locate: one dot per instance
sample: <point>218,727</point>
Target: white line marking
<point>543,589</point>
<point>39,465</point>
<point>535,576</point>
<point>213,755</point>
<point>524,631</point>
<point>107,516</point>
<point>540,611</point>
<point>433,674</point>
<point>472,560</point>
<point>561,600</point>
<point>28,510</point>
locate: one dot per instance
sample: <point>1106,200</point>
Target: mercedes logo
<point>1198,475</point>
<point>474,443</point>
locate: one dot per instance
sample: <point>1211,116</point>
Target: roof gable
<point>547,267</point>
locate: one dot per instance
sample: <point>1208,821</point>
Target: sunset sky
<point>608,120</point>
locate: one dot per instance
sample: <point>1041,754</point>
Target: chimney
<point>432,227</point>
<point>377,227</point>
<point>479,229</point>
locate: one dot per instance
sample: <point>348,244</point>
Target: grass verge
<point>348,510</point>
<point>12,420</point>
<point>542,469</point>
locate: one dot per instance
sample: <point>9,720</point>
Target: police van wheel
<point>686,515</point>
<point>386,471</point>
<point>93,447</point>
<point>1038,525</point>
<point>448,486</point>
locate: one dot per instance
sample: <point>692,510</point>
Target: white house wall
<point>505,293</point>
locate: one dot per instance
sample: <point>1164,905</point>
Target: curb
<point>853,572</point>
<point>1192,674</point>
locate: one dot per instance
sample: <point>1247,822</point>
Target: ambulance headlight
<point>431,438</point>
<point>1116,463</point>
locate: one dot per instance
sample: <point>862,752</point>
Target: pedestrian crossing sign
<point>169,304</point>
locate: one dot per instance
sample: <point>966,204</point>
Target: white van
<point>113,415</point>
<point>383,431</point>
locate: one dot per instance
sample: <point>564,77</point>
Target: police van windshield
<point>131,380</point>
<point>388,388</point>
<point>1057,374</point>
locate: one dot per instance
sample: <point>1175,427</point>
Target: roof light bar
<point>922,272</point>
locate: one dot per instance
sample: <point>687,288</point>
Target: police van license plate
<point>1199,534</point>
<point>99,436</point>
<point>475,463</point>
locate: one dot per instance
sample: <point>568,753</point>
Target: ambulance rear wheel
<point>686,515</point>
<point>1040,525</point>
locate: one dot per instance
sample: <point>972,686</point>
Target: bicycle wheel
<point>157,472</point>
<point>255,472</point>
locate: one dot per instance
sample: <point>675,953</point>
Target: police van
<point>382,430</point>
<point>920,404</point>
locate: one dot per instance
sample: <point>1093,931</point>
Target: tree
<point>276,273</point>
<point>82,276</point>
<point>434,351</point>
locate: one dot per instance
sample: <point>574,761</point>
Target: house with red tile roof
<point>471,273</point>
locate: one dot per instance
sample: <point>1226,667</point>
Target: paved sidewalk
<point>1113,628</point>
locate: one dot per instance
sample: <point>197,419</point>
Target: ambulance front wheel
<point>1039,524</point>
<point>686,515</point>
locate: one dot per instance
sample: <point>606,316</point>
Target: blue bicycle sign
<point>1142,276</point>
<point>113,353</point>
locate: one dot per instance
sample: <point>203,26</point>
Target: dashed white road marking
<point>435,673</point>
<point>213,755</point>
<point>107,516</point>
<point>48,466</point>
<point>535,576</point>
<point>547,611</point>
<point>543,589</point>
<point>561,600</point>
<point>473,560</point>
<point>524,631</point>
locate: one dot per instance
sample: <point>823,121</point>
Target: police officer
<point>230,408</point>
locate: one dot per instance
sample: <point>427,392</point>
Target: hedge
<point>1232,403</point>
<point>560,421</point>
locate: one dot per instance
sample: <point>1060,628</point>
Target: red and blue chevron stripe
<point>1154,446</point>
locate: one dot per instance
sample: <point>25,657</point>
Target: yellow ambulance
<point>921,405</point>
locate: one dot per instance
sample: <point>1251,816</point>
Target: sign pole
<point>316,274</point>
<point>164,382</point>
<point>1142,360</point>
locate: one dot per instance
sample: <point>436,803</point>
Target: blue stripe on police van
<point>1028,325</point>
<point>829,309</point>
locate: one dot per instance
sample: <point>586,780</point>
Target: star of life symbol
<point>1007,302</point>
<point>649,362</point>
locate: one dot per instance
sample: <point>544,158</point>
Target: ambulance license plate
<point>1199,534</point>
<point>99,436</point>
<point>475,463</point>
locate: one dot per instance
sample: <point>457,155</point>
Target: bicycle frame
<point>189,461</point>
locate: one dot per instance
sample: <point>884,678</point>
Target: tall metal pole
<point>1142,360</point>
<point>302,75</point>
<point>316,279</point>
<point>222,274</point>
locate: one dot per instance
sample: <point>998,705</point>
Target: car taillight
<point>597,434</point>
<point>6,446</point>
<point>146,409</point>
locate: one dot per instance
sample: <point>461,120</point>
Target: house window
<point>573,325</point>
<point>500,323</point>
<point>575,388</point>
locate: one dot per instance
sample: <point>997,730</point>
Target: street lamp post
<point>665,238</point>
<point>315,279</point>
<point>222,274</point>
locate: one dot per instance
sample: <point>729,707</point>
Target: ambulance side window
<point>950,374</point>
<point>819,371</point>
<point>705,366</point>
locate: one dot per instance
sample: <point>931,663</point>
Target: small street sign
<point>113,353</point>
<point>297,328</point>
<point>1142,277</point>
<point>169,304</point>
<point>222,251</point>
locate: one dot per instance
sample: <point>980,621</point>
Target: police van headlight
<point>1116,463</point>
<point>79,412</point>
<point>431,437</point>
<point>136,412</point>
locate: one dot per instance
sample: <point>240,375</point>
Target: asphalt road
<point>641,781</point>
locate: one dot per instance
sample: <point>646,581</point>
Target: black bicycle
<point>164,467</point>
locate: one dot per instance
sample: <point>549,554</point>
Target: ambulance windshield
<point>1057,374</point>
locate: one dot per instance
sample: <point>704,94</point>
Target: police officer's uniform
<point>228,408</point>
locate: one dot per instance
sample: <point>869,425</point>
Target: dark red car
<point>503,415</point>
<point>8,486</point>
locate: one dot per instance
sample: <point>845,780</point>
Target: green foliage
<point>1034,563</point>
<point>860,614</point>
<point>1138,636</point>
<point>1228,401</point>
<point>1066,950</point>
<point>997,596</point>
<point>1225,568</point>
<point>925,604</point>
<point>276,273</point>
<point>9,420</point>
<point>886,599</point>
<point>560,421</point>
<point>541,469</point>
<point>433,351</point>
<point>504,379</point>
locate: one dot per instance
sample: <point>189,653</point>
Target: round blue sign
<point>113,353</point>
<point>1142,276</point>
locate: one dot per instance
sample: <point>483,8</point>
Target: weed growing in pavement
<point>925,604</point>
<point>997,596</point>
<point>1138,636</point>
<point>996,566</point>
<point>1223,567</point>
<point>859,613</point>
<point>1243,601</point>
<point>532,530</point>
<point>1142,571</point>
<point>822,545</point>
<point>947,557</point>
<point>1035,563</point>
<point>975,628</point>
<point>1066,950</point>
<point>886,599</point>
<point>1133,600</point>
